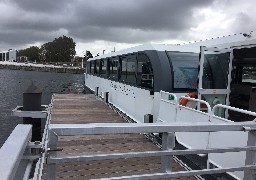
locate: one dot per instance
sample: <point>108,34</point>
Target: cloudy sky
<point>98,25</point>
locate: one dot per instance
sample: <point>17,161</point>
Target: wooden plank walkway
<point>85,108</point>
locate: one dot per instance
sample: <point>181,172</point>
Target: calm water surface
<point>14,82</point>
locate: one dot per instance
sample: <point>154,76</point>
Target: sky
<point>98,25</point>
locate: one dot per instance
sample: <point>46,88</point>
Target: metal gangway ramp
<point>93,148</point>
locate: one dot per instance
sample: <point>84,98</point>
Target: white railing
<point>40,163</point>
<point>205,140</point>
<point>12,162</point>
<point>168,139</point>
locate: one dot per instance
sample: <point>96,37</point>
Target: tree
<point>61,49</point>
<point>32,53</point>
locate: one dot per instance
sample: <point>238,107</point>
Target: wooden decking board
<point>84,108</point>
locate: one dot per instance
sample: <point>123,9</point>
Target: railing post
<point>106,94</point>
<point>96,92</point>
<point>168,143</point>
<point>51,168</point>
<point>250,157</point>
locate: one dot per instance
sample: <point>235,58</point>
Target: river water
<point>14,82</point>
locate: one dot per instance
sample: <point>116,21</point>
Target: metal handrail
<point>168,130</point>
<point>39,165</point>
<point>12,151</point>
<point>133,128</point>
<point>112,156</point>
<point>233,109</point>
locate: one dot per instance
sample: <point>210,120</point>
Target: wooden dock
<point>85,108</point>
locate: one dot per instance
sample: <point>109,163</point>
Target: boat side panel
<point>133,101</point>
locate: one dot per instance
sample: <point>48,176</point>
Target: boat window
<point>92,67</point>
<point>131,71</point>
<point>97,67</point>
<point>123,69</point>
<point>216,69</point>
<point>88,67</point>
<point>103,66</point>
<point>145,75</point>
<point>113,65</point>
<point>185,69</point>
<point>128,64</point>
<point>249,73</point>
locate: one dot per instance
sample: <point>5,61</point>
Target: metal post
<point>148,118</point>
<point>51,168</point>
<point>32,102</point>
<point>168,143</point>
<point>96,92</point>
<point>106,97</point>
<point>250,157</point>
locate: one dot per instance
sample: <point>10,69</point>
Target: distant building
<point>9,55</point>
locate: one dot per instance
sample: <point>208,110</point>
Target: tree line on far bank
<point>59,50</point>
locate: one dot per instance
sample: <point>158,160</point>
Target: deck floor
<point>85,108</point>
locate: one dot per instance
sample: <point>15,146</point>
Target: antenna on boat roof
<point>247,34</point>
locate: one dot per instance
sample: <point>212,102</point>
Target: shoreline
<point>40,67</point>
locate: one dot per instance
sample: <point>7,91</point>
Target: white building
<point>9,55</point>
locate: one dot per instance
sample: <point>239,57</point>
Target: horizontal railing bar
<point>121,128</point>
<point>13,149</point>
<point>233,109</point>
<point>182,173</point>
<point>80,158</point>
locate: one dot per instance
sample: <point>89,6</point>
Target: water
<point>14,82</point>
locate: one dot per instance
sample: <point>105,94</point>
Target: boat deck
<point>85,108</point>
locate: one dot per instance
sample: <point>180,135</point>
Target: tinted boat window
<point>97,67</point>
<point>88,67</point>
<point>216,69</point>
<point>131,71</point>
<point>185,69</point>
<point>92,67</point>
<point>128,65</point>
<point>123,69</point>
<point>145,75</point>
<point>103,67</point>
<point>113,65</point>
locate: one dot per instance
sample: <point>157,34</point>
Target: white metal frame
<point>200,140</point>
<point>202,91</point>
<point>12,164</point>
<point>33,114</point>
<point>168,131</point>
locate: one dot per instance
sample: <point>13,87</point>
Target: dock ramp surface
<point>86,108</point>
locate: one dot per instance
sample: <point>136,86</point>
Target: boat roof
<point>235,41</point>
<point>147,47</point>
<point>231,41</point>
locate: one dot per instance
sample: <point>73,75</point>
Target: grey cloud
<point>127,21</point>
<point>42,5</point>
<point>244,22</point>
